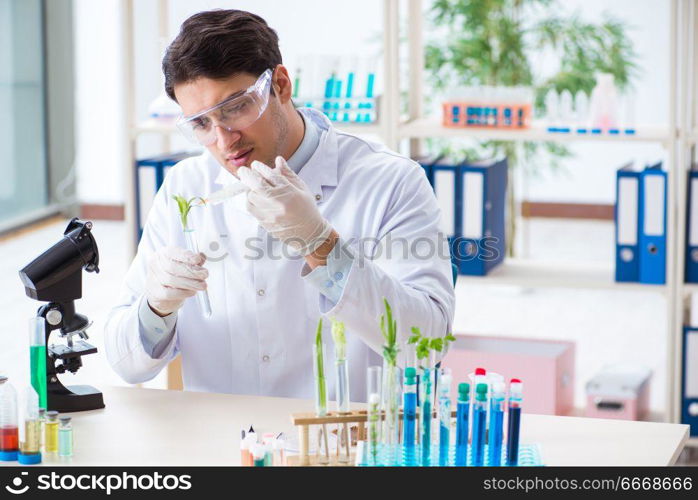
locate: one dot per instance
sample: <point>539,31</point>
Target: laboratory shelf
<point>358,128</point>
<point>422,128</point>
<point>546,274</point>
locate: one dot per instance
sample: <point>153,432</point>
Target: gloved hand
<point>174,274</point>
<point>284,206</point>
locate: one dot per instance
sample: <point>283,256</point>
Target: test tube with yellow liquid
<point>30,446</point>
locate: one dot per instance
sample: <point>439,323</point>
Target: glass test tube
<point>462,417</point>
<point>51,432</point>
<point>426,401</point>
<point>30,447</point>
<point>514,424</point>
<point>343,404</point>
<point>496,434</point>
<point>409,415</point>
<point>37,357</point>
<point>258,454</point>
<point>42,420</point>
<point>278,447</point>
<point>65,437</point>
<point>374,385</point>
<point>479,424</point>
<point>444,416</point>
<point>391,412</point>
<point>9,429</point>
<point>202,295</point>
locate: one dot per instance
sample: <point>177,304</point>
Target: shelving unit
<point>527,273</point>
<point>678,140</point>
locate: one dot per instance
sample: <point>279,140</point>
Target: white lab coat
<point>258,340</point>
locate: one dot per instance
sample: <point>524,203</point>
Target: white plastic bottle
<point>581,112</point>
<point>552,110</point>
<point>9,428</point>
<point>604,104</point>
<point>565,112</point>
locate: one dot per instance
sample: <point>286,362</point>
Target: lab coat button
<point>338,276</point>
<point>265,358</point>
<point>328,284</point>
<point>260,292</point>
<point>318,197</point>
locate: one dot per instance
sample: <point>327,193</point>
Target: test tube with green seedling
<point>320,390</point>
<point>374,384</point>
<point>342,370</point>
<point>184,206</point>
<point>391,386</point>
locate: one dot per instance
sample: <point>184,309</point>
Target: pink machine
<point>620,392</point>
<point>546,367</point>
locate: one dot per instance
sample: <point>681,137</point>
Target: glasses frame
<point>264,80</point>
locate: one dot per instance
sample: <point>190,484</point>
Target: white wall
<point>322,27</point>
<point>99,102</point>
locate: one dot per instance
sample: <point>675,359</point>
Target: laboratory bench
<point>150,427</point>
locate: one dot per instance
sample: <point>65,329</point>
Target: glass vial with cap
<point>9,430</point>
<point>65,436</point>
<point>51,432</point>
<point>30,445</point>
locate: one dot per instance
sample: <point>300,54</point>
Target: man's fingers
<point>183,255</point>
<point>253,180</point>
<point>273,176</point>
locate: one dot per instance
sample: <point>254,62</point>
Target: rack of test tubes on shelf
<point>344,109</point>
<point>343,88</point>
<point>478,438</point>
<point>489,107</point>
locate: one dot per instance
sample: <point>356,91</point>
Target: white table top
<point>151,427</point>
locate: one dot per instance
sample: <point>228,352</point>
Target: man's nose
<point>226,138</point>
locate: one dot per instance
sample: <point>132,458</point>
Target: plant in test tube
<point>320,390</point>
<point>340,355</point>
<point>391,385</point>
<point>184,206</point>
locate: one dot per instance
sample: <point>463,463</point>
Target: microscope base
<point>75,398</point>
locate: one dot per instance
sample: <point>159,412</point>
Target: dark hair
<point>219,44</point>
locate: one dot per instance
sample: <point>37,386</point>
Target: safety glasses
<point>237,112</point>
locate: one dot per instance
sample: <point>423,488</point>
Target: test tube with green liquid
<point>37,358</point>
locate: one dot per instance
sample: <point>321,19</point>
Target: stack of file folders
<point>472,199</point>
<point>640,217</point>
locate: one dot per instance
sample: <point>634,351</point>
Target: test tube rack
<point>529,454</point>
<point>458,114</point>
<point>304,422</point>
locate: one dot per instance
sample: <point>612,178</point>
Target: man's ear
<point>283,86</point>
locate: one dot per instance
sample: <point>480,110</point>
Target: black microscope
<point>55,277</point>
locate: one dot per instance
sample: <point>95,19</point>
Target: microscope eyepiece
<point>55,275</point>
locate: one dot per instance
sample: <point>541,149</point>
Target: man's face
<point>263,140</point>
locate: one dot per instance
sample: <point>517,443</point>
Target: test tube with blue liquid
<point>496,429</point>
<point>479,424</point>
<point>426,414</point>
<point>409,415</point>
<point>462,420</point>
<point>514,425</point>
<point>444,415</point>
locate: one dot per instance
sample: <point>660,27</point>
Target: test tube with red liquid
<point>9,430</point>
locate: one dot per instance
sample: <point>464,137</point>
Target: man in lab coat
<point>330,226</point>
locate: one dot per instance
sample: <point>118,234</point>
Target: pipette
<point>226,193</point>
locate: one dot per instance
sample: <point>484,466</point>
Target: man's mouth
<point>240,159</point>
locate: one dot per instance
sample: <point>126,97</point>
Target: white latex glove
<point>174,274</point>
<point>284,206</point>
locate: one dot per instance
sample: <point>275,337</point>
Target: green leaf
<point>389,331</point>
<point>340,339</point>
